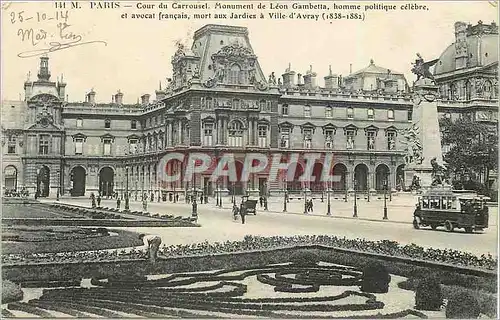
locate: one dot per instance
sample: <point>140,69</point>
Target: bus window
<point>425,203</point>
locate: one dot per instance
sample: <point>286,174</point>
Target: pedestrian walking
<point>99,201</point>
<point>242,214</point>
<point>311,205</point>
<point>118,202</point>
<point>145,205</point>
<point>261,200</point>
<point>236,212</point>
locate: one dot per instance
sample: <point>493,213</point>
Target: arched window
<point>234,74</point>
<point>10,176</point>
<point>236,134</point>
<point>107,123</point>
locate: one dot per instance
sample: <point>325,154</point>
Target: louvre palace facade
<point>219,100</point>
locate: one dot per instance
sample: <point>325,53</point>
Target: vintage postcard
<point>249,159</point>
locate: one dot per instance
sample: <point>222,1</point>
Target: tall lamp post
<point>284,194</point>
<point>127,206</point>
<point>233,196</point>
<point>305,199</point>
<point>265,197</point>
<point>329,190</point>
<point>217,193</point>
<point>355,215</point>
<point>194,212</point>
<point>385,200</point>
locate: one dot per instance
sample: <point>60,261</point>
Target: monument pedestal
<point>423,138</point>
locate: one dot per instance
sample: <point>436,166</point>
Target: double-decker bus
<point>441,207</point>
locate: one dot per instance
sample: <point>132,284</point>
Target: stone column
<point>180,135</point>
<point>255,132</point>
<point>350,179</point>
<point>249,133</point>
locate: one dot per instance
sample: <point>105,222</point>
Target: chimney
<point>27,90</point>
<point>461,54</point>
<point>119,97</point>
<point>91,96</point>
<point>160,95</point>
<point>299,79</point>
<point>289,77</point>
<point>331,80</point>
<point>350,68</point>
<point>310,78</point>
<point>145,98</point>
<point>61,88</point>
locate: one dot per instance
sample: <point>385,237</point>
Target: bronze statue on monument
<point>421,68</point>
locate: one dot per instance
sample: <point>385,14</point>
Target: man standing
<point>242,214</point>
<point>98,200</point>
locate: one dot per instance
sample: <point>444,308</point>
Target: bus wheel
<point>468,229</point>
<point>416,223</point>
<point>434,226</point>
<point>449,226</point>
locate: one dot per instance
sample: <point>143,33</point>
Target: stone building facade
<point>217,101</point>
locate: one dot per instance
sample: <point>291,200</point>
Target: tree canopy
<point>473,148</point>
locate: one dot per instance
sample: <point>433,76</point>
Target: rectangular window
<point>350,140</point>
<point>371,113</point>
<point>285,138</point>
<point>328,112</point>
<point>350,113</point>
<point>79,123</point>
<point>263,137</point>
<point>133,146</point>
<point>284,109</point>
<point>107,147</point>
<point>390,114</point>
<point>307,138</point>
<point>107,123</point>
<point>12,145</point>
<point>79,146</point>
<point>391,141</point>
<point>410,115</point>
<point>307,111</point>
<point>208,134</point>
<point>329,139</point>
<point>370,140</point>
<point>43,147</point>
<point>133,124</point>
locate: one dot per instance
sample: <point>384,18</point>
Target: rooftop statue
<point>421,68</point>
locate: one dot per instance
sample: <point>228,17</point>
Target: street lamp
<point>355,215</point>
<point>284,195</point>
<point>194,212</point>
<point>127,207</point>
<point>385,200</point>
<point>265,197</point>
<point>305,199</point>
<point>329,190</point>
<point>233,197</point>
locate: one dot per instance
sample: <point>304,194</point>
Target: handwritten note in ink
<point>46,31</point>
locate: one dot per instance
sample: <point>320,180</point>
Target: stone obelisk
<point>424,135</point>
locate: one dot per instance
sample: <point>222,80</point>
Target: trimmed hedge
<point>463,306</point>
<point>428,295</point>
<point>375,278</point>
<point>304,258</point>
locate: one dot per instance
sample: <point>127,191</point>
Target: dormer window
<point>235,74</point>
<point>350,113</point>
<point>371,113</point>
<point>79,122</point>
<point>107,124</point>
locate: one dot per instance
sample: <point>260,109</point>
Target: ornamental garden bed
<point>66,239</point>
<point>284,290</point>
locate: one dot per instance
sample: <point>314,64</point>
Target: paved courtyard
<point>218,224</point>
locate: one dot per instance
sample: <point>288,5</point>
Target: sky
<point>138,52</point>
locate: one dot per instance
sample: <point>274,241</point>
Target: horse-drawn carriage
<point>248,205</point>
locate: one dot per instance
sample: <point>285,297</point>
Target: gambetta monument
<point>422,139</point>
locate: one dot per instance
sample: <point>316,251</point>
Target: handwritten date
<point>20,17</point>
